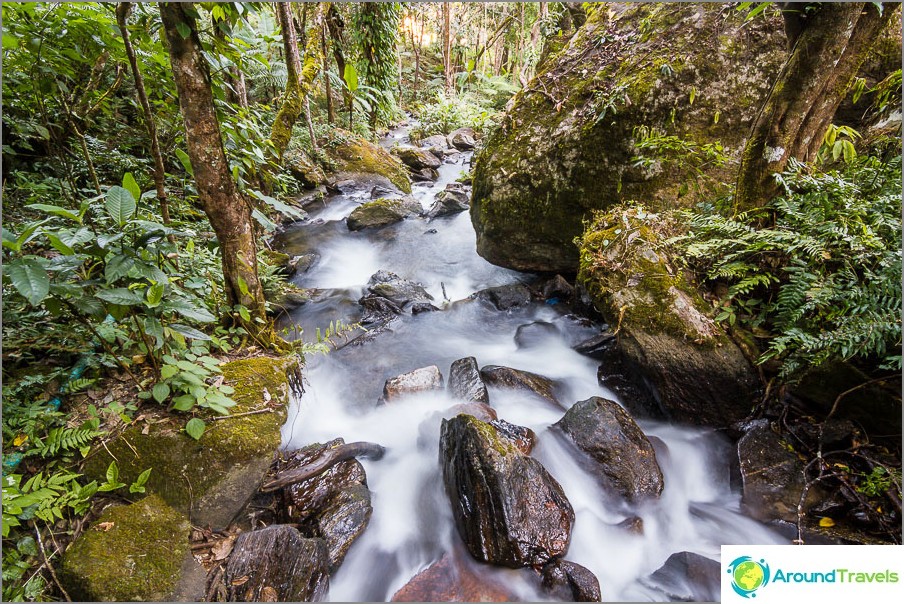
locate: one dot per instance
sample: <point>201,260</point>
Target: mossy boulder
<point>382,212</point>
<point>210,479</point>
<point>303,168</point>
<point>132,553</point>
<point>666,341</point>
<point>350,155</point>
<point>568,141</point>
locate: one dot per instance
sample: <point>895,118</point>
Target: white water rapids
<point>412,525</point>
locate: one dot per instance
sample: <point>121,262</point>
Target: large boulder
<point>463,139</point>
<point>424,379</point>
<point>516,379</point>
<point>132,553</point>
<point>400,292</point>
<point>570,582</point>
<point>277,564</point>
<point>568,141</point>
<point>667,345</point>
<point>303,168</point>
<point>452,579</point>
<point>505,297</point>
<point>352,156</point>
<point>417,159</point>
<point>604,431</point>
<point>507,508</point>
<point>382,212</point>
<point>688,577</point>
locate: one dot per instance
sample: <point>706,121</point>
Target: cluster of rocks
<point>424,159</point>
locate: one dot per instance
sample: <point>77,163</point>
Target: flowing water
<point>412,523</point>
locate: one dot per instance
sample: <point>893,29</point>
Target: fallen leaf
<point>222,548</point>
<point>826,522</point>
<point>104,526</point>
<point>240,581</point>
<point>146,430</point>
<point>138,359</point>
<point>268,594</point>
<point>20,439</point>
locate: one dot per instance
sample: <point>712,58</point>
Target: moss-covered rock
<point>132,553</point>
<point>567,143</point>
<point>667,343</point>
<point>212,478</point>
<point>350,154</point>
<point>382,212</point>
<point>303,168</point>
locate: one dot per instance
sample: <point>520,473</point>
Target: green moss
<point>132,553</point>
<point>501,445</point>
<point>185,470</point>
<point>274,258</point>
<point>354,154</point>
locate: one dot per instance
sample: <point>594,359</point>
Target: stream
<point>412,524</point>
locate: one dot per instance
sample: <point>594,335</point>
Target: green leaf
<point>183,29</point>
<point>351,77</point>
<point>262,219</point>
<point>117,266</point>
<point>168,371</point>
<point>113,472</point>
<point>188,332</point>
<point>119,295</point>
<point>9,42</point>
<point>138,485</point>
<point>189,311</point>
<point>195,428</point>
<point>160,392</point>
<point>120,204</point>
<point>29,278</point>
<point>184,402</point>
<point>128,183</point>
<point>154,295</point>
<point>58,245</point>
<point>186,162</point>
<point>243,312</point>
<point>55,211</point>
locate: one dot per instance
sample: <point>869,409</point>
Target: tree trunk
<point>228,212</point>
<point>300,78</point>
<point>830,47</point>
<point>122,16</point>
<point>447,47</point>
<point>328,88</point>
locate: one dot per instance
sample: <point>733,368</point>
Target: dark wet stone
<point>507,508</point>
<point>378,310</point>
<point>343,521</point>
<point>632,524</point>
<point>416,159</point>
<point>688,577</point>
<point>570,582</point>
<point>506,377</point>
<point>604,430</point>
<point>452,200</point>
<point>505,297</point>
<point>280,566</point>
<point>451,579</point>
<point>400,291</point>
<point>535,334</point>
<point>521,437</point>
<point>462,139</point>
<point>303,263</point>
<point>465,382</point>
<point>421,307</point>
<point>424,174</point>
<point>424,379</point>
<point>558,287</point>
<point>597,346</point>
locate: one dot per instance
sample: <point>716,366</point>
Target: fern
<point>62,439</point>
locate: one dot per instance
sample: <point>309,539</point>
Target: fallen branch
<point>324,463</point>
<point>255,412</point>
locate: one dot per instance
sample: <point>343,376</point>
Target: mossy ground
<point>132,553</point>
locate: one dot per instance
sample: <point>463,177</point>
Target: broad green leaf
<point>129,184</point>
<point>281,207</point>
<point>189,310</point>
<point>243,312</point>
<point>58,245</point>
<point>195,428</point>
<point>117,266</point>
<point>55,211</point>
<point>351,77</point>
<point>120,204</point>
<point>184,402</point>
<point>188,332</point>
<point>29,278</point>
<point>183,29</point>
<point>113,472</point>
<point>168,371</point>
<point>119,295</point>
<point>154,295</point>
<point>138,485</point>
<point>262,219</point>
<point>186,162</point>
<point>160,392</point>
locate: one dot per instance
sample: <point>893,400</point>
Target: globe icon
<point>748,575</point>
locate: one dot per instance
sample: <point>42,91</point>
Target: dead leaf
<point>826,522</point>
<point>240,581</point>
<point>222,548</point>
<point>218,381</point>
<point>104,526</point>
<point>268,594</point>
<point>146,430</point>
<point>21,438</point>
<point>138,359</point>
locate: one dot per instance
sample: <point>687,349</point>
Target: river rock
<point>523,438</point>
<point>451,579</point>
<point>568,142</point>
<point>303,263</point>
<point>506,377</point>
<point>378,309</point>
<point>688,577</point>
<point>437,140</point>
<point>424,379</point>
<point>505,297</point>
<point>605,431</point>
<point>507,508</point>
<point>596,346</point>
<point>303,168</point>
<point>424,175</point>
<point>357,159</point>
<point>280,566</point>
<point>570,582</point>
<point>462,139</point>
<point>416,159</point>
<point>481,411</point>
<point>452,200</point>
<point>382,212</point>
<point>422,307</point>
<point>557,288</point>
<point>343,521</point>
<point>537,333</point>
<point>399,291</point>
<point>465,382</point>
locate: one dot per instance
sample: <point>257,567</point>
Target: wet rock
<point>688,577</point>
<point>451,579</point>
<point>289,297</point>
<point>424,175</point>
<point>452,200</point>
<point>505,297</point>
<point>422,307</point>
<point>535,334</point>
<point>280,566</point>
<point>507,508</point>
<point>605,431</point>
<point>506,377</point>
<point>379,191</point>
<point>378,309</point>
<point>437,140</point>
<point>557,288</point>
<point>303,168</point>
<point>424,379</point>
<point>343,521</point>
<point>481,411</point>
<point>382,212</point>
<point>570,582</point>
<point>596,346</point>
<point>462,139</point>
<point>400,291</point>
<point>523,438</point>
<point>416,159</point>
<point>632,524</point>
<point>309,198</point>
<point>465,382</point>
<point>358,159</point>
<point>302,264</point>
<point>772,476</point>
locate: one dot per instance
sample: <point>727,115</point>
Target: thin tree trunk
<point>330,110</point>
<point>228,212</point>
<point>828,52</point>
<point>122,16</point>
<point>447,47</point>
<point>300,78</point>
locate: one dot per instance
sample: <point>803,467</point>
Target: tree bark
<point>300,78</point>
<point>829,49</point>
<point>447,47</point>
<point>122,16</point>
<point>228,212</point>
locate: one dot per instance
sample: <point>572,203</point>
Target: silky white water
<point>412,526</point>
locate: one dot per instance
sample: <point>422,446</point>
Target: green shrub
<point>448,113</point>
